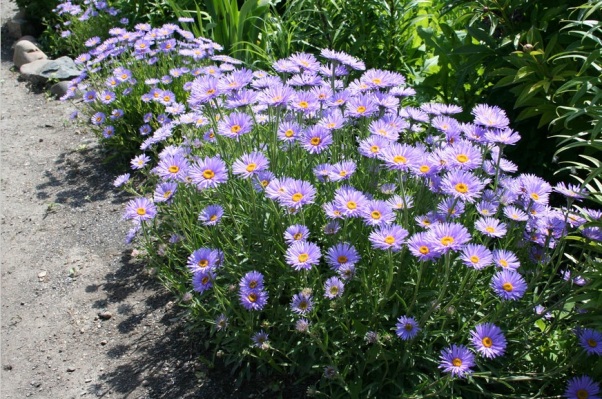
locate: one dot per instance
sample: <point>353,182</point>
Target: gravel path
<point>80,317</point>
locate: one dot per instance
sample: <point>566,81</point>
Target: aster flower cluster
<point>313,200</point>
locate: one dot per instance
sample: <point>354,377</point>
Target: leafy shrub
<point>329,231</point>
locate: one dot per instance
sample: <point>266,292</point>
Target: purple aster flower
<point>261,340</point>
<point>372,146</point>
<point>377,213</point>
<point>448,236</point>
<point>346,272</point>
<point>139,161</point>
<point>302,303</point>
<point>172,167</point>
<point>251,281</point>
<point>323,172</point>
<point>305,102</point>
<point>463,155</point>
<point>350,201</point>
<point>422,248</point>
<point>488,339</point>
<point>121,180</point>
<point>235,125</point>
<point>450,208</point>
<point>540,310</point>
<point>203,90</point>
<point>106,97</point>
<point>140,209</point>
<point>333,288</point>
<point>116,114</point>
<point>302,325</point>
<point>333,120</point>
<point>398,202</point>
<point>342,170</point>
<point>508,285</point>
<point>165,191</point>
<point>332,227</point>
<point>209,173</point>
<point>343,58</point>
<point>316,139</point>
<point>250,164</point>
<point>361,106</point>
<point>490,116</point>
<point>505,136</point>
<point>202,280</point>
<point>276,94</point>
<point>457,360</point>
<point>582,388</point>
<point>463,185</point>
<point>253,299</point>
<point>400,156</point>
<point>407,328</point>
<point>505,259</point>
<point>491,227</point>
<point>204,259</point>
<point>262,179</point>
<point>571,190</point>
<point>221,323</point>
<point>591,341</point>
<point>388,237</point>
<point>211,215</point>
<point>342,254</point>
<point>289,131</point>
<point>296,232</point>
<point>476,256</point>
<point>98,118</point>
<point>535,189</point>
<point>296,193</point>
<point>382,128</point>
<point>301,255</point>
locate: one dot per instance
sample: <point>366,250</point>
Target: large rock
<point>27,52</point>
<point>42,70</point>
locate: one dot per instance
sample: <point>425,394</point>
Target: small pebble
<point>71,369</point>
<point>103,342</point>
<point>106,315</point>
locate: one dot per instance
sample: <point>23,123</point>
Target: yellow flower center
<point>165,98</point>
<point>342,259</point>
<point>303,104</point>
<point>331,125</point>
<point>251,167</point>
<point>375,215</point>
<point>252,297</point>
<point>253,284</point>
<point>507,286</point>
<point>503,262</point>
<point>351,205</point>
<point>343,173</point>
<point>534,196</point>
<point>399,159</point>
<point>374,149</point>
<point>423,250</point>
<point>408,327</point>
<point>474,259</point>
<point>376,81</point>
<point>167,194</point>
<point>297,197</point>
<point>582,394</point>
<point>213,218</point>
<point>390,240</point>
<point>462,158</point>
<point>592,343</point>
<point>289,133</point>
<point>425,168</point>
<point>315,141</point>
<point>361,109</point>
<point>457,362</point>
<point>210,91</point>
<point>264,183</point>
<point>489,229</point>
<point>205,280</point>
<point>447,240</point>
<point>208,174</point>
<point>334,290</point>
<point>141,211</point>
<point>303,257</point>
<point>487,342</point>
<point>298,236</point>
<point>173,169</point>
<point>203,263</point>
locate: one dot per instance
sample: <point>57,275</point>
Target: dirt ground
<point>64,262</point>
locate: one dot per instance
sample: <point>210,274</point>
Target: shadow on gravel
<point>79,177</point>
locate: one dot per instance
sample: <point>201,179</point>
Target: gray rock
<point>59,89</point>
<point>41,71</point>
<point>26,52</point>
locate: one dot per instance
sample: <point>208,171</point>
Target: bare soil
<point>64,263</point>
